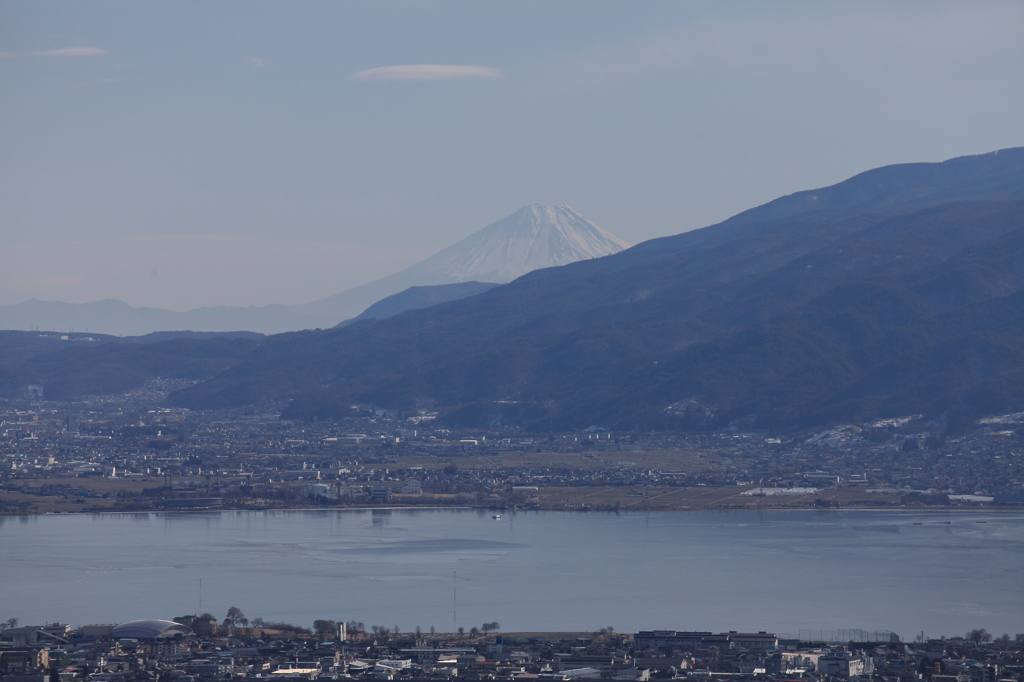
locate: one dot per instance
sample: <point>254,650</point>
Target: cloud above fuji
<point>78,51</point>
<point>425,72</point>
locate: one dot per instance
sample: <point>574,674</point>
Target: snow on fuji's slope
<point>535,236</point>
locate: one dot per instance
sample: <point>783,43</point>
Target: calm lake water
<point>938,572</point>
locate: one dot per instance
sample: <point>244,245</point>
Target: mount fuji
<point>534,237</point>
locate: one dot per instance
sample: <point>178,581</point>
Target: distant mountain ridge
<point>533,237</point>
<point>774,318</point>
<point>897,292</point>
<point>415,298</point>
<point>901,187</point>
<point>111,316</point>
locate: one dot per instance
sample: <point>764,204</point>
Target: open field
<point>70,494</point>
<point>66,495</point>
<point>701,497</point>
<point>689,461</point>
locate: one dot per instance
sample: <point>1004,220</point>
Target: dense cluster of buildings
<point>237,457</point>
<point>171,651</point>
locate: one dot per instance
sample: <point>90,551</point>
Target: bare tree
<point>979,636</point>
<point>234,616</point>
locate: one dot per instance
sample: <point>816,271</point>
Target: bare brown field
<point>62,500</point>
<point>700,497</point>
<point>53,503</point>
<point>689,461</point>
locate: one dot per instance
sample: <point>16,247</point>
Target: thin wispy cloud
<point>258,61</point>
<point>78,51</point>
<point>425,72</point>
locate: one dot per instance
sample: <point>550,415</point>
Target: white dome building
<point>151,630</point>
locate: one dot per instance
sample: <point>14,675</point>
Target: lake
<point>941,572</point>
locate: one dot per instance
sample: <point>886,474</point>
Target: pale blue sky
<point>194,153</point>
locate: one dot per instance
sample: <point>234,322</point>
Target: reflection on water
<point>944,572</point>
<point>380,517</point>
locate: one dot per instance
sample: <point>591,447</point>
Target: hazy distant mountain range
<point>111,316</point>
<point>897,292</point>
<point>533,237</point>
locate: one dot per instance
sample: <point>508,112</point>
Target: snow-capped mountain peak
<point>534,237</point>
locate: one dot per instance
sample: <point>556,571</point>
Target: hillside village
<point>132,452</point>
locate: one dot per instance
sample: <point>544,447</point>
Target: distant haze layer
<point>533,237</point>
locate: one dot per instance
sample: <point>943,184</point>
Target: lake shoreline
<point>917,509</point>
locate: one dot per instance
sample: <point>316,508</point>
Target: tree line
<point>323,627</point>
